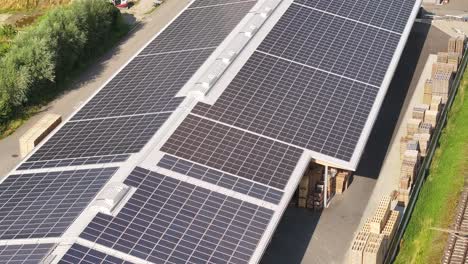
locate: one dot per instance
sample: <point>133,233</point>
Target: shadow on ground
<point>402,84</point>
<point>296,228</point>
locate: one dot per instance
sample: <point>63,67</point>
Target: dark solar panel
<point>388,14</point>
<point>41,205</point>
<point>233,151</point>
<point>79,254</point>
<point>72,162</point>
<point>199,28</point>
<point>174,221</point>
<point>332,44</point>
<point>147,84</point>
<point>99,137</point>
<point>221,179</point>
<point>295,104</point>
<point>204,3</point>
<point>24,254</point>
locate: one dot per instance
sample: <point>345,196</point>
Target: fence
<point>394,244</point>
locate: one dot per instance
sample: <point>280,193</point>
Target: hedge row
<point>45,55</point>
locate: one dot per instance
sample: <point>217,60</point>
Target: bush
<point>50,52</point>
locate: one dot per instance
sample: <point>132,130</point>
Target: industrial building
<point>194,149</point>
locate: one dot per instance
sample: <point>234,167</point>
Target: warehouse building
<point>193,150</point>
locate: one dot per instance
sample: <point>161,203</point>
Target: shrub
<point>50,52</point>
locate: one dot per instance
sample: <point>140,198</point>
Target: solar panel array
<point>38,205</point>
<point>310,84</point>
<point>313,80</point>
<point>225,180</point>
<point>98,138</point>
<point>233,151</point>
<point>24,254</point>
<point>387,14</point>
<point>130,108</point>
<point>79,254</point>
<point>168,220</point>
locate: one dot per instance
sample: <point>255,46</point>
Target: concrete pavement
<point>92,79</point>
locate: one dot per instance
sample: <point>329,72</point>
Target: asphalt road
<point>91,80</point>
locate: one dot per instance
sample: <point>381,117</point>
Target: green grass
<point>437,201</point>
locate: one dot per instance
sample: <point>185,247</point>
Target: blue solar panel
<point>24,254</point>
<point>167,220</point>
<point>38,205</point>
<point>221,179</point>
<point>79,254</point>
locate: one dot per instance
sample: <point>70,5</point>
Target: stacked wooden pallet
<point>419,110</point>
<point>442,57</point>
<point>412,126</point>
<point>431,117</point>
<point>38,132</point>
<point>342,180</point>
<point>427,98</point>
<point>450,66</point>
<point>371,242</point>
<point>441,83</point>
<point>423,140</point>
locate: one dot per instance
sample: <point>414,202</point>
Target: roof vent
<point>110,197</point>
<point>266,11</point>
<point>250,31</point>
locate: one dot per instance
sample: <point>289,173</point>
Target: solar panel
<point>332,44</point>
<point>204,3</point>
<point>147,84</point>
<point>295,104</point>
<point>199,28</point>
<point>79,254</point>
<point>388,14</point>
<point>72,162</point>
<point>100,137</point>
<point>221,179</point>
<point>233,151</point>
<point>24,254</point>
<point>174,221</point>
<point>38,205</point>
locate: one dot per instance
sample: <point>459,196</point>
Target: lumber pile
<point>371,242</point>
<point>38,132</point>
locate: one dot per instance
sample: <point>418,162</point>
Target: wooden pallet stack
<point>404,145</point>
<point>419,110</point>
<point>412,126</point>
<point>423,140</point>
<point>431,117</point>
<point>436,103</point>
<point>460,45</point>
<point>441,83</point>
<point>450,66</point>
<point>371,242</point>
<point>424,128</point>
<point>454,60</point>
<point>427,97</point>
<point>342,180</point>
<point>442,57</point>
<point>452,44</point>
<point>303,191</point>
<point>38,132</point>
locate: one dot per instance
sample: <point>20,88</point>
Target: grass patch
<point>437,201</point>
<point>12,6</point>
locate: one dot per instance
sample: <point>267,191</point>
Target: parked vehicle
<point>120,3</point>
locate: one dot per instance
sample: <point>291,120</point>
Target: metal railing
<point>426,163</point>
